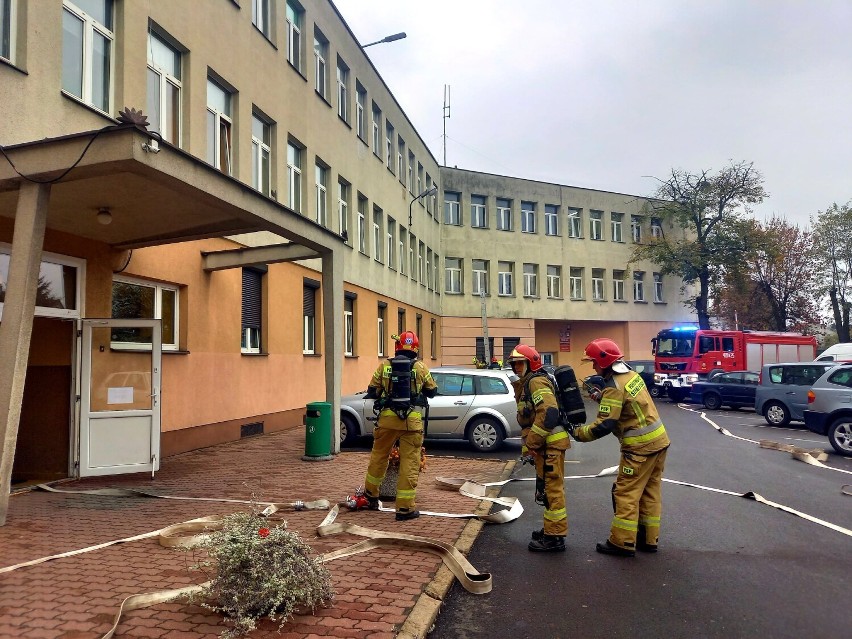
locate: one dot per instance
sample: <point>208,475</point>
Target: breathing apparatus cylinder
<point>400,387</point>
<point>571,406</point>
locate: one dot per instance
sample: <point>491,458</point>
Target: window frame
<point>320,64</point>
<point>343,195</point>
<point>251,338</point>
<point>598,285</point>
<point>89,28</point>
<point>618,286</point>
<point>639,286</point>
<point>309,321</point>
<point>259,147</point>
<point>505,279</point>
<point>504,214</point>
<point>295,19</point>
<point>8,26</point>
<point>165,79</point>
<point>528,218</point>
<point>453,275</point>
<point>380,326</point>
<point>576,275</point>
<point>575,223</point>
<point>617,227</point>
<point>551,220</point>
<point>223,128</point>
<point>658,288</point>
<point>377,234</point>
<point>321,193</point>
<point>294,176</point>
<point>554,282</point>
<point>452,208</point>
<point>530,280</point>
<point>362,225</point>
<point>349,326</point>
<point>636,229</point>
<point>261,17</point>
<point>478,212</point>
<point>596,225</point>
<point>342,90</point>
<point>377,131</point>
<point>60,260</point>
<point>360,102</point>
<point>479,281</point>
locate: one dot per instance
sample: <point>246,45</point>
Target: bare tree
<point>833,250</point>
<point>710,209</point>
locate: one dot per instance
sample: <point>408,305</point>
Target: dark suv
<point>830,408</point>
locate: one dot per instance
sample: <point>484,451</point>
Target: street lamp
<point>430,191</point>
<point>390,38</point>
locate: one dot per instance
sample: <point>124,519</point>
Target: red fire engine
<point>683,355</point>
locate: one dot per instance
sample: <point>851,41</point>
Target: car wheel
<point>840,436</point>
<point>655,391</point>
<point>348,430</point>
<point>485,435</point>
<point>776,414</point>
<point>712,401</point>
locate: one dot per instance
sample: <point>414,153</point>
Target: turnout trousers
<point>410,435</point>
<point>551,467</point>
<point>637,499</point>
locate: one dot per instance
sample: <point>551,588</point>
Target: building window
<point>343,209</point>
<point>87,44</point>
<point>377,131</point>
<point>260,16</point>
<point>342,90</point>
<point>294,177</point>
<point>7,29</point>
<point>218,127</point>
<point>636,228</point>
<point>164,89</point>
<point>321,175</point>
<point>452,208</point>
<point>429,270</point>
<point>530,280</point>
<point>360,105</point>
<point>410,182</point>
<point>480,277</point>
<point>391,243</point>
<point>139,299</point>
<point>261,138</point>
<point>403,242</point>
<point>380,324</point>
<point>638,286</point>
<point>504,215</point>
<point>436,264</point>
<point>575,283</point>
<point>551,219</point>
<point>400,321</point>
<point>389,140</point>
<point>320,64</point>
<point>527,217</point>
<point>598,284</point>
<point>596,225</point>
<point>478,216</point>
<point>554,281</point>
<point>433,338</point>
<point>348,325</point>
<point>309,316</point>
<point>295,17</point>
<point>618,286</point>
<point>419,180</point>
<point>505,285</point>
<point>412,255</point>
<point>377,234</point>
<point>616,222</point>
<point>252,310</point>
<point>400,159</point>
<point>362,225</point>
<point>430,200</point>
<point>658,287</point>
<point>421,257</point>
<point>656,228</point>
<point>453,275</point>
<point>575,223</point>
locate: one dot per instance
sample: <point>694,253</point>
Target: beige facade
<point>279,208</point>
<point>554,263</point>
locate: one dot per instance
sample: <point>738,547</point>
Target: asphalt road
<point>727,566</point>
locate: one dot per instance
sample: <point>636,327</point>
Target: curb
<point>421,619</point>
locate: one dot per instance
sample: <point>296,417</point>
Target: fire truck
<point>686,354</point>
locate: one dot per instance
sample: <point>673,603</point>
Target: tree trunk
<point>840,311</point>
<point>702,300</point>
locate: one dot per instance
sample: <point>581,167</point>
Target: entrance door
<point>120,396</point>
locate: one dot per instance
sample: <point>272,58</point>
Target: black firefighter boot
<point>548,543</point>
<point>609,548</point>
<point>642,543</point>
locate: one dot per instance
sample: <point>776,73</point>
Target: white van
<point>838,352</point>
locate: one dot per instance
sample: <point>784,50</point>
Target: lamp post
<point>430,191</point>
<point>390,38</point>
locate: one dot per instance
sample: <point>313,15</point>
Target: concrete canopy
<point>153,199</point>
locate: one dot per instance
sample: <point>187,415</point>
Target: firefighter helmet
<point>407,341</point>
<point>525,353</point>
<point>603,352</point>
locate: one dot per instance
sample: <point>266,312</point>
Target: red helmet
<point>407,341</point>
<point>524,353</point>
<point>603,352</point>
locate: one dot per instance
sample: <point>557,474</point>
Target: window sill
<point>311,354</point>
<point>531,297</point>
<point>639,302</point>
<point>11,64</point>
<point>345,121</point>
<point>297,70</point>
<point>91,107</point>
<point>660,303</point>
<point>245,354</point>
<point>555,298</point>
<point>353,356</point>
<point>323,98</point>
<point>265,36</point>
<point>578,299</point>
<point>454,292</point>
<point>620,301</point>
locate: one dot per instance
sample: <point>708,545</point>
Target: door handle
<point>459,403</point>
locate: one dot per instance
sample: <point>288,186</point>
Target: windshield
<point>675,344</point>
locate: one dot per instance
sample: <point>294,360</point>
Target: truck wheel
<point>840,436</point>
<point>484,435</point>
<point>776,414</point>
<point>712,401</point>
<point>348,431</point>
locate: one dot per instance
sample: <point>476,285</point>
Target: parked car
<point>473,404</point>
<point>732,389</point>
<point>645,368</point>
<point>829,409</point>
<point>838,352</point>
<point>782,394</point>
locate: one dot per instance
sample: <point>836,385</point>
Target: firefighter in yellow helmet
<point>400,387</point>
<point>547,440</point>
<point>628,412</point>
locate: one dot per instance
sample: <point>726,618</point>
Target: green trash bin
<point>318,430</point>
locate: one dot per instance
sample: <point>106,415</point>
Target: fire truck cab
<point>684,355</point>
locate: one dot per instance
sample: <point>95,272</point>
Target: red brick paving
<point>78,596</point>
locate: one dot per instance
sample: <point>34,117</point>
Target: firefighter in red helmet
<point>547,440</point>
<point>628,412</point>
<point>400,386</point>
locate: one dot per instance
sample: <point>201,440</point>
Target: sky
<point>615,94</point>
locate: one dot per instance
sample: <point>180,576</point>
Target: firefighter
<point>628,412</point>
<point>496,364</point>
<point>546,440</point>
<point>401,421</point>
